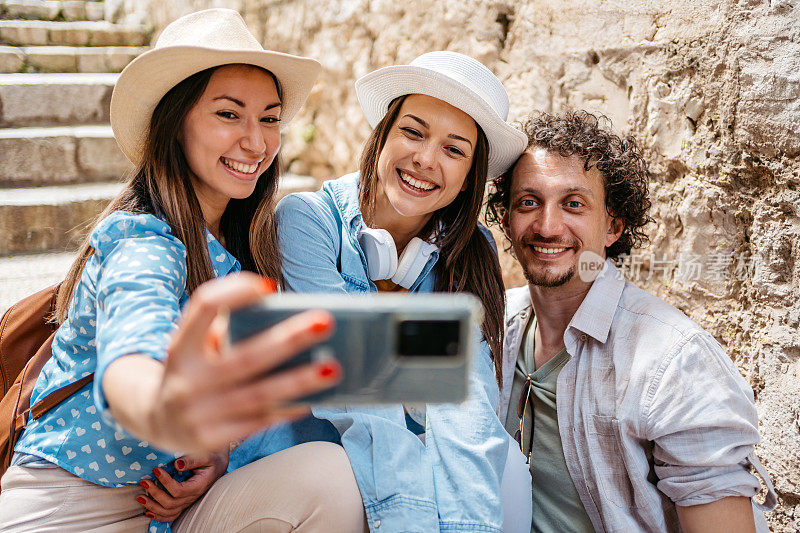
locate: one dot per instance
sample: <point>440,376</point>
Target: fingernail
<point>157,472</point>
<point>329,370</point>
<point>144,484</point>
<point>321,325</point>
<point>149,515</point>
<point>141,500</point>
<point>213,339</point>
<point>180,464</point>
<point>269,285</point>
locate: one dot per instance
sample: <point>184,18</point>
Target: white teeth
<point>549,250</point>
<point>239,167</point>
<point>417,184</point>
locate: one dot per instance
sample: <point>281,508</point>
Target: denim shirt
<point>652,412</point>
<point>452,481</point>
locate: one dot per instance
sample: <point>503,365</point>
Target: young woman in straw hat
<point>408,221</point>
<point>200,118</point>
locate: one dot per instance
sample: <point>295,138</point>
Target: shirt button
<point>583,337</point>
<point>376,523</point>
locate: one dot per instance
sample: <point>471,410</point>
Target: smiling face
<point>425,159</point>
<point>231,135</point>
<point>556,211</point>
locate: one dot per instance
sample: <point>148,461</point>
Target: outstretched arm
<point>199,400</point>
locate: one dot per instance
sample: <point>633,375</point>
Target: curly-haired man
<point>631,416</point>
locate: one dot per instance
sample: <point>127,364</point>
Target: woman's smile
<point>241,170</point>
<point>415,183</point>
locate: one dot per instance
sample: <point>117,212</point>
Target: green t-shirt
<point>557,508</point>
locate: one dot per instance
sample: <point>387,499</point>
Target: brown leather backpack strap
<point>57,396</point>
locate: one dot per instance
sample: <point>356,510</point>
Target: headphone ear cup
<point>412,261</point>
<point>380,250</point>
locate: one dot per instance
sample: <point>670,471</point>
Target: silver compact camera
<point>393,348</point>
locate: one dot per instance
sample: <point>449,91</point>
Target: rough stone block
<point>101,158</point>
<point>37,160</point>
<point>69,36</point>
<point>51,58</point>
<point>95,11</point>
<point>30,9</point>
<point>73,9</point>
<point>22,33</point>
<point>117,58</point>
<point>92,60</point>
<point>118,36</point>
<point>11,59</point>
<point>47,99</point>
<point>49,218</point>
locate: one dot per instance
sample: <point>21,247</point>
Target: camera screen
<point>425,338</point>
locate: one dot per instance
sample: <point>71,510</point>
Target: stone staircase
<point>59,164</point>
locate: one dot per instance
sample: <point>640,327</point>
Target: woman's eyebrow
<point>241,104</point>
<point>451,136</point>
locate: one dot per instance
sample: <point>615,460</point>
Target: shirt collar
<point>344,192</point>
<point>596,312</point>
<point>222,261</point>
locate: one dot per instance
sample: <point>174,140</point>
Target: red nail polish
<point>157,472</point>
<point>141,500</point>
<point>328,370</point>
<point>320,326</point>
<point>149,515</point>
<point>180,464</point>
<point>269,285</point>
<point>144,484</point>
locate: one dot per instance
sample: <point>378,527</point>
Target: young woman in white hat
<point>200,118</point>
<point>408,221</point>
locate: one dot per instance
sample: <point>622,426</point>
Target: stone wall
<point>711,88</point>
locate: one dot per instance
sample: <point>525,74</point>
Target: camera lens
<point>429,338</point>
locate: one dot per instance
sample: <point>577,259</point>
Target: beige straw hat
<point>459,80</point>
<point>189,45</point>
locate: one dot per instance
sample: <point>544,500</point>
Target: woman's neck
<point>400,227</point>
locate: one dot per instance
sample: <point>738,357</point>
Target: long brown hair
<point>161,184</point>
<point>467,263</point>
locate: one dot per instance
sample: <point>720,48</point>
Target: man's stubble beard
<point>544,279</point>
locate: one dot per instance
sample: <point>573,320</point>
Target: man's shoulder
<point>651,309</point>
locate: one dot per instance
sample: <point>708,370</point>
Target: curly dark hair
<point>619,160</point>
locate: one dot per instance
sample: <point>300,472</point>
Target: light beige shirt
<point>651,411</point>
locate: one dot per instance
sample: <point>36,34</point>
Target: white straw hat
<point>459,80</point>
<point>189,45</point>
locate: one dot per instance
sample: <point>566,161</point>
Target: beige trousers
<point>309,487</point>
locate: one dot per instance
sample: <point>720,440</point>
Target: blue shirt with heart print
<point>128,300</point>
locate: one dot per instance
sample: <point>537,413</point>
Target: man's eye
<point>574,204</point>
<point>527,202</point>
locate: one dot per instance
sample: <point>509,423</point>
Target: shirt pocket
<point>609,464</point>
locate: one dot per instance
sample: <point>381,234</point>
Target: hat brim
<point>146,79</point>
<point>377,89</point>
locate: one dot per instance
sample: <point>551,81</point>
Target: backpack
<point>26,339</point>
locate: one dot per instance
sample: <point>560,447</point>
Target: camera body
<point>393,348</point>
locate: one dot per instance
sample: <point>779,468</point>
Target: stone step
<point>38,219</point>
<point>92,33</point>
<point>53,99</point>
<point>59,155</point>
<point>52,10</point>
<point>22,275</point>
<point>66,58</point>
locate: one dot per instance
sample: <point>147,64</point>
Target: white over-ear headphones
<point>382,260</point>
